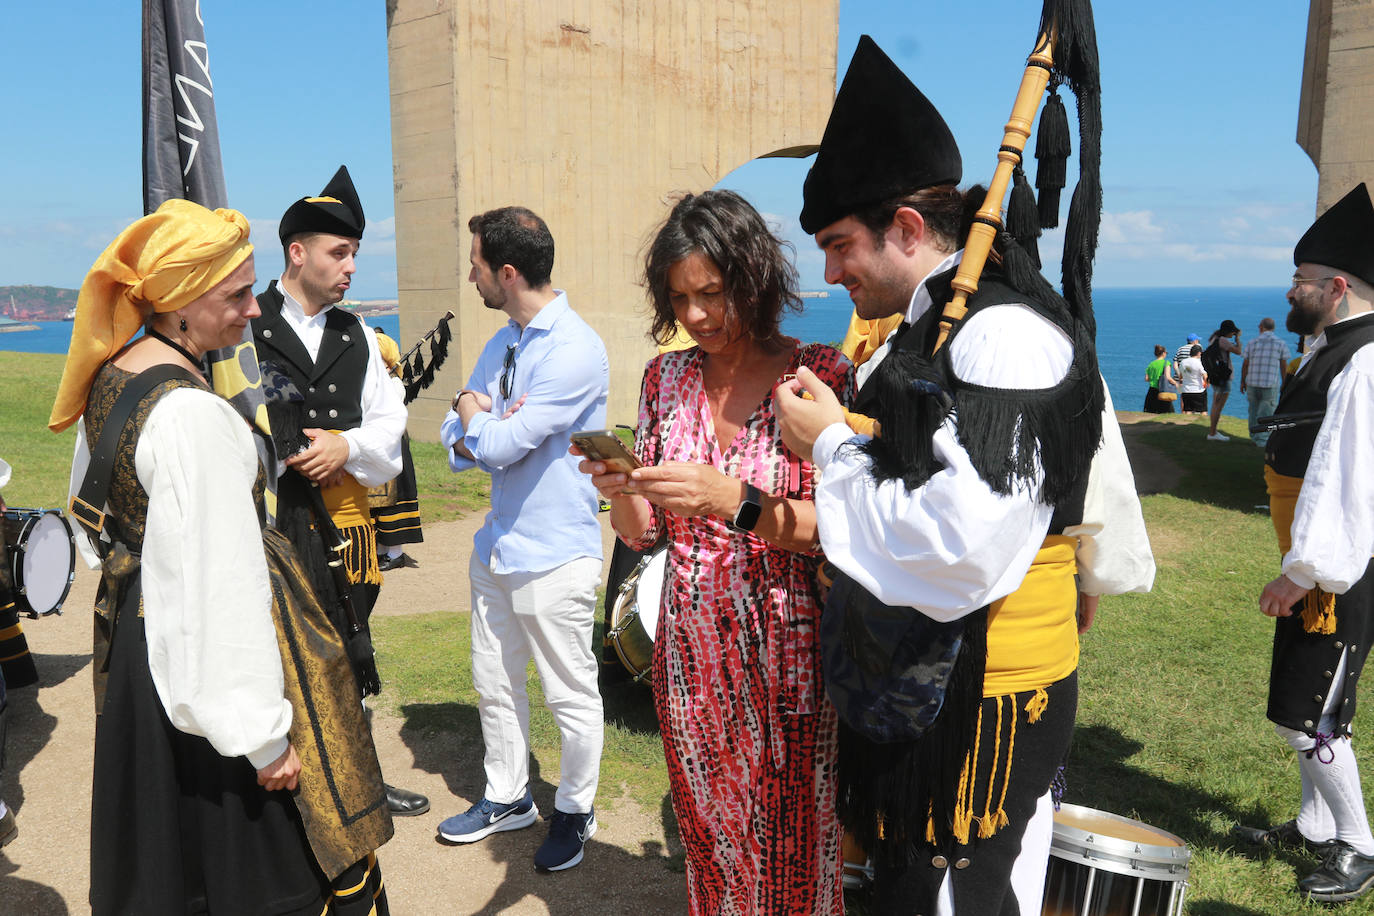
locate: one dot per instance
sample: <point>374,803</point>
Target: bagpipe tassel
<point>1023,221</point>
<point>1052,149</point>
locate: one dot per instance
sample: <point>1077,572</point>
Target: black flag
<point>181,159</point>
<point>180,136</point>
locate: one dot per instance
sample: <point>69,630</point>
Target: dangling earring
<point>183,324</point>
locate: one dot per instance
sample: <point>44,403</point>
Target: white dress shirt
<point>374,447</point>
<point>952,545</point>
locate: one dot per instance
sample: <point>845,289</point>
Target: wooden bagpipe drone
<point>1065,53</point>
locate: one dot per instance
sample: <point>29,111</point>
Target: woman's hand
<point>687,490</point>
<point>610,484</point>
<point>281,773</point>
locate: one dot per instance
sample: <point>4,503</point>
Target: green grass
<point>1171,725</point>
<point>42,461</point>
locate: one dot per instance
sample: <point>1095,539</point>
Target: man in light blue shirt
<point>536,562</point>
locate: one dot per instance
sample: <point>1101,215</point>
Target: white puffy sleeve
<point>212,645</point>
<point>1333,522</point>
<point>1113,555</point>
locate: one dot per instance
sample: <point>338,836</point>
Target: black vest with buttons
<point>1304,663</point>
<point>333,383</point>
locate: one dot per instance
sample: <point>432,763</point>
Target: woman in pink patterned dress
<point>748,732</point>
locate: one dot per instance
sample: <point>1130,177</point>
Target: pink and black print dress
<point>748,732</point>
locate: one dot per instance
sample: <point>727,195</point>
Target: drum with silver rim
<point>42,556</point>
<point>1106,865</point>
<point>634,617</point>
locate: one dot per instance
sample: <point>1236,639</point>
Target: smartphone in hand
<point>605,446</point>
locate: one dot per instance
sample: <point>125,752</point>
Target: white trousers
<point>546,616</point>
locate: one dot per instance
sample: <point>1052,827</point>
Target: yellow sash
<point>1033,632</point>
<point>347,505</point>
<point>1318,607</point>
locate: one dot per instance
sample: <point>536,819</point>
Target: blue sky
<point>1204,184</point>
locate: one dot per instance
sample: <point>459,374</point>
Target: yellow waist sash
<point>1318,607</point>
<point>347,505</point>
<point>1033,632</point>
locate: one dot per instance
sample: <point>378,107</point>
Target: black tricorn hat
<point>884,138</point>
<point>1342,237</point>
<point>336,211</point>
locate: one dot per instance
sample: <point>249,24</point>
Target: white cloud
<point>1131,227</point>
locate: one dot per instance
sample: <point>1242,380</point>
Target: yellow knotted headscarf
<point>164,261</point>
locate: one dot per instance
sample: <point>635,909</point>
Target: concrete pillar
<point>1334,124</point>
<point>594,114</point>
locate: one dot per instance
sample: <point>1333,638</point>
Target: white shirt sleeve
<point>374,447</point>
<point>952,545</point>
<point>1113,553</point>
<point>212,645</point>
<point>1333,523</point>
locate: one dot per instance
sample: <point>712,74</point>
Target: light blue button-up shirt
<point>543,510</point>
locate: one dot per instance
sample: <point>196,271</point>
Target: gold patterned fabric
<point>341,797</point>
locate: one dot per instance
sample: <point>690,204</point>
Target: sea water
<point>1129,324</point>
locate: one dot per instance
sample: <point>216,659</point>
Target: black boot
<point>1344,875</point>
<point>405,804</point>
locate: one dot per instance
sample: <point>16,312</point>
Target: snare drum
<point>42,556</point>
<point>1105,865</point>
<point>634,618</point>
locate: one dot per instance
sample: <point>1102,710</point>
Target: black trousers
<point>982,883</point>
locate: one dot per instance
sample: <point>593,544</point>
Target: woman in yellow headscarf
<point>195,740</point>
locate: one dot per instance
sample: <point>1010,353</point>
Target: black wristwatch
<point>747,515</point>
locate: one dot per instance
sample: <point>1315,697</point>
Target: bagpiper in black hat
<point>884,139</point>
<point>1342,237</point>
<point>336,211</point>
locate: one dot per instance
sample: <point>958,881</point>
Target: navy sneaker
<point>488,817</point>
<point>567,834</point>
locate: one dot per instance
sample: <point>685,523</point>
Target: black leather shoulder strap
<point>87,507</point>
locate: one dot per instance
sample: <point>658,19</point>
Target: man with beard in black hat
<point>941,515</point>
<point>1317,468</point>
<point>353,411</point>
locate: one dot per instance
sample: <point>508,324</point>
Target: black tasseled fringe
<point>888,793</point>
<point>912,403</point>
<point>1023,220</point>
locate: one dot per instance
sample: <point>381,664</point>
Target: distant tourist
<point>1216,359</point>
<point>1261,374</point>
<point>1185,351</point>
<point>1161,370</point>
<point>1193,381</point>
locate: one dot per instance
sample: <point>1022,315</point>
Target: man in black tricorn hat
<point>970,506</point>
<point>353,411</point>
<point>1317,468</point>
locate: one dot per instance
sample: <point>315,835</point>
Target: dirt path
<point>48,783</point>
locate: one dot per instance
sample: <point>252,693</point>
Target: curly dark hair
<point>760,280</point>
<point>518,237</point>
